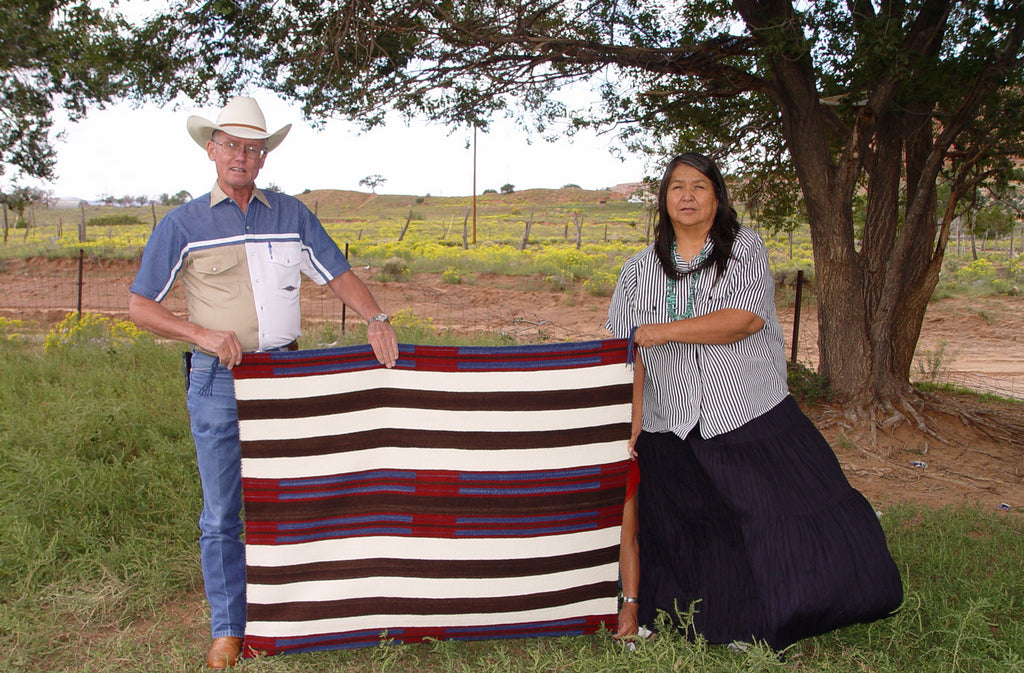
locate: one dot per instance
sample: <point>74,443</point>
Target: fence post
<point>343,305</point>
<point>526,230</point>
<point>5,223</point>
<point>81,264</point>
<point>406,227</point>
<point>81,225</point>
<point>796,312</point>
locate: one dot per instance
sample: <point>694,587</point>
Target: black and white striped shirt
<point>720,386</point>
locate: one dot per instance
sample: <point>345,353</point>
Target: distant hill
<point>338,199</point>
<point>69,202</point>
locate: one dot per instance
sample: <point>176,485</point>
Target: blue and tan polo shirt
<point>241,271</point>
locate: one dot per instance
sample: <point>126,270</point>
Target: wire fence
<point>43,291</point>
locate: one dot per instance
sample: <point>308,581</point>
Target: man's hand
<point>381,336</point>
<point>152,316</point>
<point>224,344</point>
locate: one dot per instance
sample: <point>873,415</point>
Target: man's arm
<point>153,317</point>
<point>351,290</point>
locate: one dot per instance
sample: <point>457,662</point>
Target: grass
<point>99,565</point>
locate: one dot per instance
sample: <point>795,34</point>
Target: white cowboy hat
<point>241,118</point>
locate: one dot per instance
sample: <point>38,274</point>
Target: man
<point>239,252</point>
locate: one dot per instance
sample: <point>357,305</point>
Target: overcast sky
<point>147,151</point>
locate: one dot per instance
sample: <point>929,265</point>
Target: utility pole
<point>474,184</point>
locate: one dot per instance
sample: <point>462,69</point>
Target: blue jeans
<point>214,419</point>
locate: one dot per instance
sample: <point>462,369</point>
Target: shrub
<point>91,329</point>
<point>600,284</point>
<point>977,272</point>
<point>451,276</point>
<point>114,220</point>
<point>12,329</point>
<point>394,268</point>
<point>807,386</point>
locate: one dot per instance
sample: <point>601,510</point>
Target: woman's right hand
<point>628,625</point>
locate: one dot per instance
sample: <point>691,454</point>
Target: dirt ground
<point>975,342</point>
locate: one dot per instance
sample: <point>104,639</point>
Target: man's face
<point>238,160</point>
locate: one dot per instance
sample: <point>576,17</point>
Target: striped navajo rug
<point>468,493</point>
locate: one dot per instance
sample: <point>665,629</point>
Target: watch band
<point>380,317</point>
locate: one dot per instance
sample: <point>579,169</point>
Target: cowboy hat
<point>241,118</point>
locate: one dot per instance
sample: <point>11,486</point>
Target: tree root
<point>915,409</point>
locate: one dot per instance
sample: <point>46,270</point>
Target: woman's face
<point>691,200</point>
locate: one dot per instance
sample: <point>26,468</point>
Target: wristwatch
<point>380,317</point>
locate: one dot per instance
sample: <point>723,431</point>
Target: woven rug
<point>467,493</point>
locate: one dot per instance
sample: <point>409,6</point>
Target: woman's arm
<point>638,404</point>
<point>725,326</point>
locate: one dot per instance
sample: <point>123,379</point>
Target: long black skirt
<point>760,532</point>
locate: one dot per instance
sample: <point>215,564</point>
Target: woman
<point>744,514</point>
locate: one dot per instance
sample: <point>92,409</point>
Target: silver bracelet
<point>630,599</point>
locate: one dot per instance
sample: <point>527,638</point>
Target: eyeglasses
<point>233,149</point>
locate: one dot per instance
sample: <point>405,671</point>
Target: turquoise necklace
<point>691,295</point>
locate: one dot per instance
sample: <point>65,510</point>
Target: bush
<point>394,268</point>
<point>807,387</point>
<point>91,329</point>
<point>600,284</point>
<point>113,220</point>
<point>12,329</point>
<point>451,276</point>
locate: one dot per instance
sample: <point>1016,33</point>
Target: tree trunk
<point>871,300</point>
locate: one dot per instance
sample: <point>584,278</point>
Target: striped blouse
<point>721,387</point>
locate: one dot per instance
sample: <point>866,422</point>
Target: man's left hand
<point>381,336</point>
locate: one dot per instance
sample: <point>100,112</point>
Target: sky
<point>135,151</point>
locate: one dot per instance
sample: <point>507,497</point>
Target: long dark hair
<point>723,229</point>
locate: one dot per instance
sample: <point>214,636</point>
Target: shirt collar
<point>217,195</point>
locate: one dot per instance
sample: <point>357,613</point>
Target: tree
<point>18,198</point>
<point>175,200</point>
<point>373,181</point>
<point>507,188</point>
<point>833,98</point>
<point>62,53</point>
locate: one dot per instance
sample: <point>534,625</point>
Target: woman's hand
<point>650,335</point>
<point>628,625</point>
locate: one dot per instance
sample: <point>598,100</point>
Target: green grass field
<point>99,497</point>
